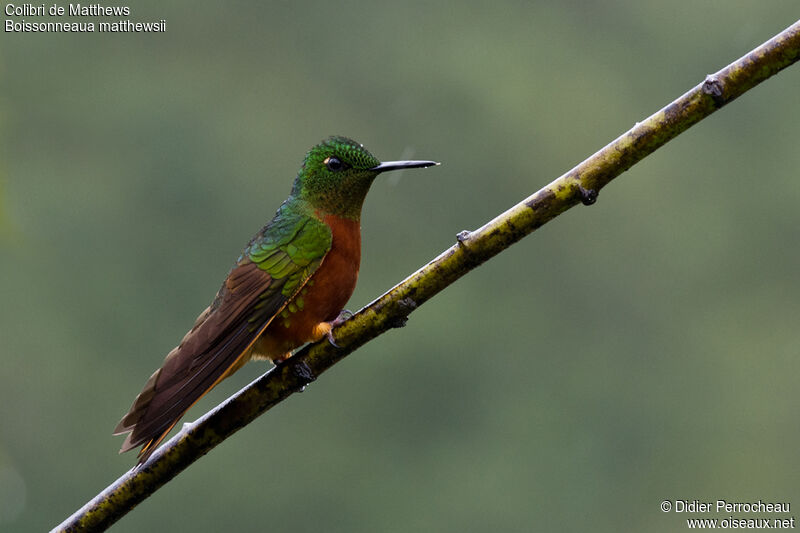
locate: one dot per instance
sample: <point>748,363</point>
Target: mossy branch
<point>579,185</point>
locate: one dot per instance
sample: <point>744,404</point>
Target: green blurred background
<point>641,349</point>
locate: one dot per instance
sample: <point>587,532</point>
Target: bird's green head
<point>337,173</point>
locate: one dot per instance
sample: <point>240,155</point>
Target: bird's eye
<point>334,164</point>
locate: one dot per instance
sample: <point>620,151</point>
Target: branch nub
<point>713,88</point>
<point>588,196</point>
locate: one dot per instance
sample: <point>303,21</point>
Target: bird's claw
<point>344,315</point>
<point>331,339</point>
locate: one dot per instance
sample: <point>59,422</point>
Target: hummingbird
<point>287,288</point>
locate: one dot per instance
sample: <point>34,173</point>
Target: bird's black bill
<point>398,165</point>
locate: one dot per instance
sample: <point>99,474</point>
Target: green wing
<point>272,269</point>
<point>289,250</point>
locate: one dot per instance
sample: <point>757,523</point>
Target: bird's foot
<point>344,315</point>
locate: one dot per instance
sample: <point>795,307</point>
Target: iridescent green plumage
<point>290,246</point>
<point>338,192</point>
<point>308,253</point>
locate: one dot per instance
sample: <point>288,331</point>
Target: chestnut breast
<point>324,294</point>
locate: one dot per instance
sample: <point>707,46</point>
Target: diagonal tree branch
<point>579,185</point>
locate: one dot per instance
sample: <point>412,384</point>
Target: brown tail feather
<point>218,344</point>
<point>220,338</point>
